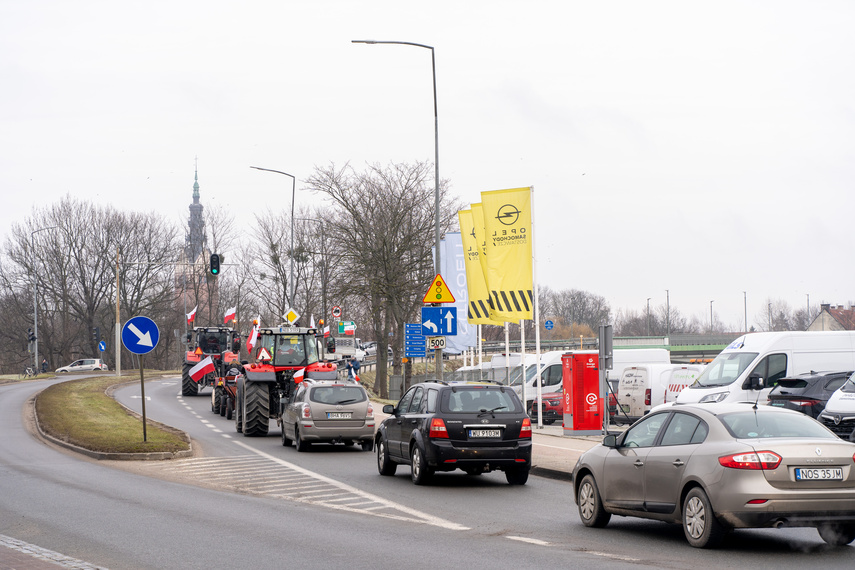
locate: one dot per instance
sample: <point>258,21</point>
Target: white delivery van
<point>646,385</point>
<point>839,412</point>
<point>551,372</point>
<point>735,374</point>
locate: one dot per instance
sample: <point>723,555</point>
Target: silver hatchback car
<point>328,412</point>
<point>718,467</point>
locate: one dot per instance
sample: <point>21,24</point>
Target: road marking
<point>529,540</point>
<point>45,554</point>
<point>609,555</point>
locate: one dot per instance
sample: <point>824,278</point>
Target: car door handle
<point>678,463</point>
<point>639,463</point>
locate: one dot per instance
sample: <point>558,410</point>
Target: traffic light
<point>30,336</point>
<point>215,264</point>
<point>96,334</point>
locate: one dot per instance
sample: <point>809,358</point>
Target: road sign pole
<point>142,393</point>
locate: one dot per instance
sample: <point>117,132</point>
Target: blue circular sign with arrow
<point>140,335</point>
<point>548,325</point>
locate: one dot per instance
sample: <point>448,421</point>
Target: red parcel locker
<point>583,403</point>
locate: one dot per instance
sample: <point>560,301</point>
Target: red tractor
<point>282,357</point>
<point>222,344</point>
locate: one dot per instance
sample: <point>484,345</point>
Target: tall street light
<point>711,317</point>
<point>33,233</point>
<point>648,316</point>
<point>291,284</point>
<point>437,264</point>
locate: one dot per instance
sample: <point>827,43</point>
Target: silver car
<point>717,467</point>
<point>83,365</point>
<point>328,412</point>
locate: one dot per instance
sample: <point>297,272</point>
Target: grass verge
<point>81,413</point>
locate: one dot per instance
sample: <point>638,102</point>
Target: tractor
<point>222,344</point>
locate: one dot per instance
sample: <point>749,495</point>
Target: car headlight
<point>713,398</point>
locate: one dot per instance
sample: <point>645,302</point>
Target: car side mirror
<point>236,344</point>
<point>756,383</point>
<point>610,441</point>
<point>389,409</point>
<point>331,344</point>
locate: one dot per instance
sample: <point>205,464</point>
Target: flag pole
<point>536,315</point>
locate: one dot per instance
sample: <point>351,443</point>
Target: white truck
<point>643,386</point>
<point>751,365</point>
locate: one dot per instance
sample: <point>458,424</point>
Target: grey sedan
<point>718,467</point>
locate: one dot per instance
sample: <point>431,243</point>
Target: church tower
<point>195,241</point>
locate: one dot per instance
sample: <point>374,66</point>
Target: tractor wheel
<point>230,405</point>
<point>188,386</point>
<point>216,402</point>
<point>238,409</point>
<point>256,408</point>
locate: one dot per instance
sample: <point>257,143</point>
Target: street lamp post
<point>291,284</point>
<point>668,314</point>
<point>35,297</point>
<point>648,316</point>
<point>437,264</point>
<point>711,315</point>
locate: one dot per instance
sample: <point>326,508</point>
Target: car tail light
<point>647,397</point>
<point>525,429</point>
<point>307,411</point>
<point>805,402</point>
<point>369,413</point>
<point>759,460</point>
<point>437,428</point>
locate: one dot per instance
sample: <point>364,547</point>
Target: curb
<point>100,455</point>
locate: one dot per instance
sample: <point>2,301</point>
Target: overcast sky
<point>700,147</point>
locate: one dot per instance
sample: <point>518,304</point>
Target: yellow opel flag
<point>479,296</point>
<point>509,275</point>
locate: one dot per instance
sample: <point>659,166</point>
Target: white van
<point>839,412</point>
<point>646,385</point>
<point>735,374</point>
<point>551,372</point>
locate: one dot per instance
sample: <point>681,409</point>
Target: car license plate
<point>776,403</point>
<point>338,415</point>
<point>485,433</point>
<point>812,474</point>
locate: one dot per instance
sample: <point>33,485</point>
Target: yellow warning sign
<point>438,292</point>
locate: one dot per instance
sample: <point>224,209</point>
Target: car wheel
<point>421,473</point>
<point>837,534</point>
<point>517,475</point>
<point>385,465</point>
<point>368,445</point>
<point>302,445</point>
<point>286,441</point>
<point>700,526</point>
<point>590,503</point>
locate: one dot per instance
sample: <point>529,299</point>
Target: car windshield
<point>752,424</point>
<point>516,375</point>
<point>337,395</point>
<point>213,341</point>
<point>725,369</point>
<point>850,385</point>
<point>478,399</point>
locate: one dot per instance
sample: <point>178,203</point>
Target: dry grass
<point>81,413</point>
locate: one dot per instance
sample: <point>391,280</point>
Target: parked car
<point>328,412</point>
<point>476,427</point>
<point>716,467</point>
<point>83,365</point>
<point>552,408</point>
<point>807,393</point>
<point>839,412</point>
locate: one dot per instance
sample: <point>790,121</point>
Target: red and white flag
<point>298,375</point>
<point>253,337</point>
<point>206,366</point>
<point>349,330</point>
<point>312,323</point>
<point>326,331</point>
<point>191,316</point>
<point>230,314</point>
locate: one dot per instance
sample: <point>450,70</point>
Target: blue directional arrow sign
<point>439,321</point>
<point>140,335</point>
<point>102,346</point>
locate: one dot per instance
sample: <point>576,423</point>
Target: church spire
<point>196,240</point>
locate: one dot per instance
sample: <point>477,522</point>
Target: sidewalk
<point>554,455</point>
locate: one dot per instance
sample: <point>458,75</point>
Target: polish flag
<point>350,330</point>
<point>326,331</point>
<point>312,324</point>
<point>191,316</point>
<point>230,314</point>
<point>298,375</point>
<point>204,367</point>
<point>253,337</point>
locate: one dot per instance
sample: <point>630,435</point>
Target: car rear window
<point>477,399</point>
<point>337,395</point>
<point>791,383</point>
<point>760,424</point>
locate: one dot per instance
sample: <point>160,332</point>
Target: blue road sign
<point>102,346</point>
<point>140,335</point>
<point>415,344</point>
<point>439,321</point>
<point>549,325</point>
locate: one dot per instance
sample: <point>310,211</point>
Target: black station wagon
<point>441,426</point>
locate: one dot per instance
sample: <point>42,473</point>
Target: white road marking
<point>44,554</point>
<point>529,540</point>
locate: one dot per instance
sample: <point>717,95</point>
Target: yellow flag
<point>508,234</point>
<point>479,296</point>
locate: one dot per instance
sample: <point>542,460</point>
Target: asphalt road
<point>250,503</point>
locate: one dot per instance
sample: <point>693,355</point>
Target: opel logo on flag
<point>508,214</point>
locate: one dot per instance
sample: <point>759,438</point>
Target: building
<point>834,318</point>
<point>194,286</point>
